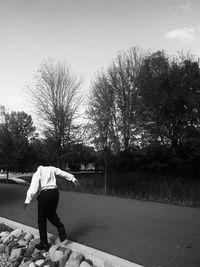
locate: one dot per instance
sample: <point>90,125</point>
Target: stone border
<point>99,258</point>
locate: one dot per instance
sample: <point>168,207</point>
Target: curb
<point>99,258</point>
<point>17,180</point>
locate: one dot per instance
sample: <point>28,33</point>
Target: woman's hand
<point>76,182</point>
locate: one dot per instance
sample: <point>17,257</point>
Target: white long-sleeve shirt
<point>44,178</point>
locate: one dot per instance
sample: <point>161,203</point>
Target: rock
<point>63,261</point>
<point>89,261</point>
<point>2,248</point>
<point>34,241</point>
<point>4,261</point>
<point>4,227</point>
<point>28,237</point>
<point>68,252</point>
<point>16,261</point>
<point>72,263</point>
<point>29,252</point>
<point>46,255</point>
<point>23,242</point>
<point>85,264</point>
<point>39,257</point>
<point>39,262</point>
<point>56,255</point>
<point>8,239</point>
<point>25,263</point>
<point>15,253</point>
<point>49,264</point>
<point>75,259</point>
<point>5,237</point>
<point>53,248</point>
<point>17,233</point>
<point>52,251</point>
<point>4,233</point>
<point>63,249</point>
<point>36,254</point>
<point>76,256</point>
<point>10,246</point>
<point>53,264</point>
<point>18,249</point>
<point>46,263</point>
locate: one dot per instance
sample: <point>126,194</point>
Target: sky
<point>86,35</point>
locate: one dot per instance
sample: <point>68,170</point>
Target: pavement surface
<point>146,233</point>
<point>12,179</point>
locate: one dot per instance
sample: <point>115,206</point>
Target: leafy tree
<point>36,154</point>
<point>169,93</point>
<point>56,96</point>
<point>16,129</point>
<point>79,154</point>
<point>20,124</point>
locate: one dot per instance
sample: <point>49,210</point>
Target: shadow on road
<point>82,230</point>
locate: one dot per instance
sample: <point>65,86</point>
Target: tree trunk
<point>105,172</point>
<point>7,175</point>
<point>174,143</point>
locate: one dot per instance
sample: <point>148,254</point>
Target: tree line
<point>142,113</point>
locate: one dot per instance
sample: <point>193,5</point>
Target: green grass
<point>155,187</point>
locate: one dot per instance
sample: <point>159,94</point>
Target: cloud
<point>183,8</point>
<point>184,35</point>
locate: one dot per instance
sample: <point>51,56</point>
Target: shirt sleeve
<point>34,187</point>
<point>68,176</point>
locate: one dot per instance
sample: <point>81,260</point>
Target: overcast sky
<point>86,34</point>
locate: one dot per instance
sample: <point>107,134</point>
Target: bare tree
<point>123,76</point>
<point>101,112</point>
<point>56,97</point>
<point>113,101</point>
<point>113,104</point>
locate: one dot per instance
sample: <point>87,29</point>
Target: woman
<point>43,184</point>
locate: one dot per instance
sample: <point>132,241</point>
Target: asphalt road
<point>147,233</point>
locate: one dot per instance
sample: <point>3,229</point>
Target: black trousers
<point>47,205</point>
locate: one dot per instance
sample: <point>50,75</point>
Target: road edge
<point>99,258</point>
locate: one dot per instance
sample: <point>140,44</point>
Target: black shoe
<point>42,246</point>
<point>62,233</point>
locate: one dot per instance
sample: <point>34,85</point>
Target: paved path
<point>147,233</point>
